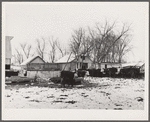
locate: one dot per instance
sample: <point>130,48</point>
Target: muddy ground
<point>93,93</point>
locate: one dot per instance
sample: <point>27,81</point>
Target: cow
<point>130,72</point>
<point>67,77</point>
<point>91,72</point>
<point>95,72</point>
<point>81,73</point>
<point>98,73</point>
<point>111,72</point>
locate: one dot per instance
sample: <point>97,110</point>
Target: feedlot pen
<point>93,93</point>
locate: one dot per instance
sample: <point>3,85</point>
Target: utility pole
<point>67,61</point>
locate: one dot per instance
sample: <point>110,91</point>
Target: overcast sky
<point>29,21</point>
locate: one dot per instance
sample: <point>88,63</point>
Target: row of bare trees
<point>45,48</point>
<point>50,47</point>
<point>22,53</point>
<point>103,43</point>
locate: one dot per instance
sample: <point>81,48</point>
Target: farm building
<point>8,55</point>
<point>110,64</point>
<point>32,63</point>
<point>137,64</point>
<point>8,52</point>
<point>70,62</point>
<point>120,65</point>
<point>36,66</point>
<point>140,65</point>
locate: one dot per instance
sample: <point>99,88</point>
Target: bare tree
<point>81,44</point>
<point>26,48</point>
<point>22,53</point>
<point>52,52</point>
<point>103,43</point>
<point>76,43</point>
<point>118,37</point>
<point>123,47</point>
<point>48,47</point>
<point>62,50</point>
<point>41,47</point>
<point>18,56</point>
<point>87,46</point>
<point>105,37</point>
<point>77,40</point>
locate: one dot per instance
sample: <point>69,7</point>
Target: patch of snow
<point>94,93</point>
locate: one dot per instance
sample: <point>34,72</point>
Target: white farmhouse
<point>70,63</point>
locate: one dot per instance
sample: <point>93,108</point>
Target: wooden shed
<point>33,62</point>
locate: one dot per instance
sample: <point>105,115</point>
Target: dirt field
<point>94,93</point>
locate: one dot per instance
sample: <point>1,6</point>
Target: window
<point>84,65</point>
<point>7,66</point>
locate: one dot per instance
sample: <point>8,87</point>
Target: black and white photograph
<point>75,60</point>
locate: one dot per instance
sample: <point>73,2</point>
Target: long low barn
<point>37,66</point>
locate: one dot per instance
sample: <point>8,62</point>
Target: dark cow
<point>98,73</point>
<point>110,72</point>
<point>130,72</point>
<point>95,72</point>
<point>81,73</point>
<point>91,72</point>
<point>67,77</point>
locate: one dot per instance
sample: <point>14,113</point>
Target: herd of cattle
<point>126,72</point>
<point>67,77</point>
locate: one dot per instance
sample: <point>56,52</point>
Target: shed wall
<point>43,74</point>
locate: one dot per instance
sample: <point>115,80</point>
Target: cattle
<point>130,72</point>
<point>95,72</point>
<point>91,72</point>
<point>110,72</point>
<point>81,73</point>
<point>67,77</point>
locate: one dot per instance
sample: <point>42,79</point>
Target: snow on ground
<point>94,93</point>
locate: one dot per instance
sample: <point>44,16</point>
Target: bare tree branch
<point>52,52</point>
<point>26,49</point>
<point>41,47</point>
<point>19,56</point>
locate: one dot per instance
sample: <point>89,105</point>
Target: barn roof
<point>65,59</point>
<point>30,60</point>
